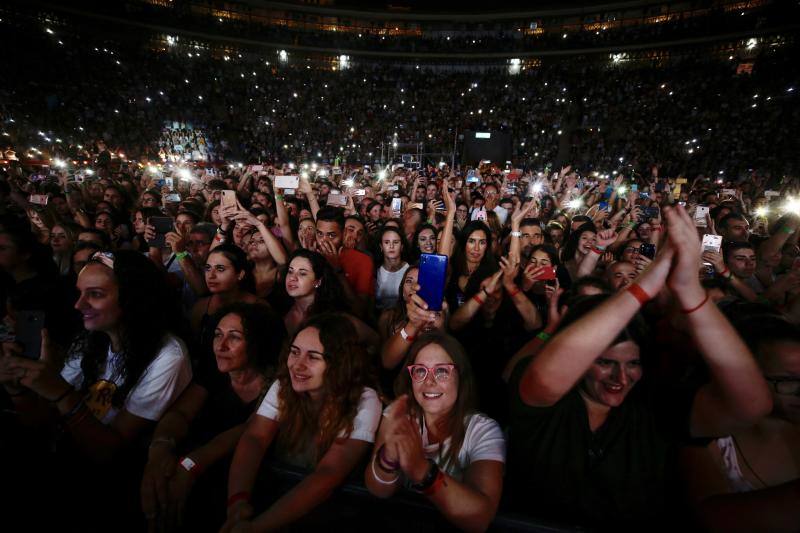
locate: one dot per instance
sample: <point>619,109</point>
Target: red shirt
<point>358,270</point>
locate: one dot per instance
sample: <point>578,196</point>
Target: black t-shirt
<point>223,408</point>
<point>618,476</point>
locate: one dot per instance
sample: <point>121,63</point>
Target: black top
<point>620,475</point>
<point>223,408</point>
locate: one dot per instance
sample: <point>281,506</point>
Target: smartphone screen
<point>28,331</point>
<point>648,250</point>
<point>228,198</point>
<point>432,275</point>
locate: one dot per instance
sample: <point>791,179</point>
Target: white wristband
<point>188,464</point>
<point>516,234</point>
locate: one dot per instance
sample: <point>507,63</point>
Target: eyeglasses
<point>785,386</point>
<point>631,249</point>
<point>441,372</point>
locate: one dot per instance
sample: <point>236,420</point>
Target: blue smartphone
<point>431,279</point>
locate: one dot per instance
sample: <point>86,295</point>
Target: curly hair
<point>145,320</point>
<point>467,396</point>
<point>347,372</point>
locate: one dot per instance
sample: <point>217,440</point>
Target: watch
<point>430,477</point>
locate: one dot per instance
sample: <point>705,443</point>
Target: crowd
<point>692,114</point>
<point>597,352</point>
<point>181,142</point>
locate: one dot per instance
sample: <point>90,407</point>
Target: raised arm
<point>445,244</point>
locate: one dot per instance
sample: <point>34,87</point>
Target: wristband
<point>391,466</point>
<point>221,231</point>
<point>598,251</point>
<point>726,271</point>
<point>787,230</point>
<point>513,293</point>
<point>698,306</point>
<point>242,496</point>
<point>631,225</point>
<point>378,478</point>
<point>180,256</point>
<point>639,293</point>
<point>516,234</point>
<point>543,336</point>
<point>190,466</point>
<point>430,478</point>
<point>279,197</point>
<point>477,298</point>
<point>406,336</point>
<point>601,248</point>
<point>438,482</point>
<point>63,394</point>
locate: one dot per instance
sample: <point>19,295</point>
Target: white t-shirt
<point>162,381</point>
<point>387,286</point>
<point>365,424</point>
<point>483,441</point>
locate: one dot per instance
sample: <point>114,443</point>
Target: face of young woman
<point>612,375</point>
<point>103,222</point>
<point>215,218</point>
<point>556,235</point>
<point>306,229</point>
<point>391,246</point>
<point>427,241</point>
<point>306,363</point>
<point>300,278</point>
<point>220,274</point>
<point>781,367</point>
<point>256,248</point>
<point>99,299</point>
<point>540,258</point>
<point>375,213</point>
<point>230,345</point>
<point>586,242</point>
<point>435,397</point>
<point>476,246</point>
<point>59,241</point>
<point>409,282</point>
<point>138,222</point>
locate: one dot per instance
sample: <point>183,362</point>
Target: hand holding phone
<point>28,330</point>
<point>431,279</point>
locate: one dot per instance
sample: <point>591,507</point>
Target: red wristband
<point>513,293</point>
<point>698,306</point>
<point>242,496</point>
<point>478,299</point>
<point>436,485</point>
<point>637,292</point>
<point>597,250</point>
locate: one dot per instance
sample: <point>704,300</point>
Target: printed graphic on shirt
<point>98,399</point>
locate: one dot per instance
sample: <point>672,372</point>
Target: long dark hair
<point>487,266</point>
<point>415,251</point>
<point>347,372</point>
<point>330,295</point>
<point>467,396</point>
<point>403,245</point>
<point>264,332</point>
<point>571,244</point>
<point>145,320</point>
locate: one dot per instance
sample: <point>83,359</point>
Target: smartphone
<point>337,199</point>
<point>709,272</point>
<point>174,198</point>
<point>480,215</point>
<point>169,183</point>
<point>228,198</point>
<point>287,182</point>
<point>360,192</point>
<point>729,192</point>
<point>431,279</point>
<point>712,243</point>
<point>257,168</point>
<point>28,330</point>
<point>648,250</point>
<point>397,205</point>
<point>548,273</point>
<point>163,225</point>
<point>38,199</point>
<point>700,216</point>
<point>603,206</point>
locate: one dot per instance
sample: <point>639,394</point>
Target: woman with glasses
<point>749,480</point>
<point>320,414</point>
<point>434,442</point>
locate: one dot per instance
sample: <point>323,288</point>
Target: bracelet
<point>221,231</point>
<point>516,234</point>
<point>513,293</point>
<point>393,466</point>
<point>787,230</point>
<point>406,336</point>
<point>726,271</point>
<point>378,478</point>
<point>601,248</point>
<point>693,309</point>
<point>543,336</point>
<point>630,225</point>
<point>598,251</point>
<point>242,496</point>
<point>429,480</point>
<point>162,440</point>
<point>639,293</point>
<point>477,298</point>
<point>63,394</point>
<point>438,482</point>
<point>219,237</point>
<point>180,256</point>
